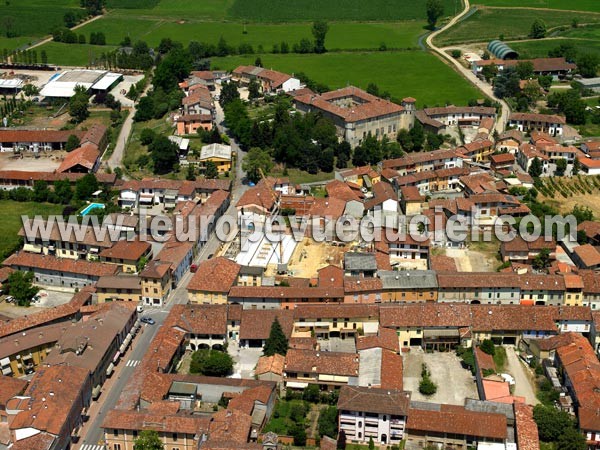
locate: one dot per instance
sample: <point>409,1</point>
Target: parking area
<point>47,299</point>
<point>454,383</point>
<point>120,90</point>
<point>44,162</point>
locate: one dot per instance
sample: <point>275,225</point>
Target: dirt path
<point>523,380</point>
<point>49,39</point>
<point>485,88</point>
<point>313,418</point>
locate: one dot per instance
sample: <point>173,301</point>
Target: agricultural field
<point>341,35</point>
<point>286,11</point>
<point>63,54</point>
<point>10,221</point>
<point>564,193</point>
<point>180,9</point>
<point>409,73</point>
<point>540,48</point>
<point>514,23</point>
<point>32,19</point>
<point>575,5</point>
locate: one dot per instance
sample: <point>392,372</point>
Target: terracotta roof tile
<point>27,261</point>
<point>318,362</point>
<point>215,275</point>
<point>374,400</point>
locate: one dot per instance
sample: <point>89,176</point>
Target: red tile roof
<point>127,250</point>
<point>525,427</point>
<point>85,156</point>
<point>318,362</point>
<point>588,254</point>
<point>270,364</point>
<point>374,400</point>
<point>256,324</point>
<point>543,118</point>
<point>30,261</point>
<point>53,136</point>
<point>215,275</point>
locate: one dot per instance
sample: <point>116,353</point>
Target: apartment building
<point>369,413</point>
<point>326,369</point>
<point>528,122</point>
<point>123,288</point>
<point>156,283</point>
<point>129,255</point>
<point>213,280</point>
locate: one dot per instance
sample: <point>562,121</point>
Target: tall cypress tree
<point>277,342</point>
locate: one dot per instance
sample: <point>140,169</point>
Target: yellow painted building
<point>126,288</point>
<point>219,154</point>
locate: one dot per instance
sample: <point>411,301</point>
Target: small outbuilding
<point>500,50</point>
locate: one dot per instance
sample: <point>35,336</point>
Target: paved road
<point>92,431</point>
<point>468,74</point>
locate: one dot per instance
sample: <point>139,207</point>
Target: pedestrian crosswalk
<point>132,363</point>
<point>92,447</point>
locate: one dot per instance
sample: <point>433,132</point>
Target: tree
<point>298,432</point>
<point>40,191</point>
<point>63,191</point>
<point>587,65</point>
<point>147,135</point>
<point>211,363</point>
<point>570,104</point>
<point>70,19</point>
<point>371,443</point>
<point>174,67</point>
<point>487,346</point>
<point>211,170</point>
<point>229,93</point>
<point>417,135</point>
<point>551,422</point>
<point>541,260</point>
<point>373,89</point>
<point>536,168</point>
<point>164,154</point>
<point>341,440</point>
<point>78,105</point>
<point>253,90</point>
<point>426,385</point>
<point>538,29</point>
<point>256,159</point>
<point>311,393</point>
<point>507,83</point>
<point>435,10</point>
<point>571,439</point>
<point>277,343</point>
<point>86,186</point>
<point>258,62</point>
<point>72,143</point>
<point>328,423</point>
<point>21,288</point>
<point>561,167</point>
<point>44,57</point>
<point>148,440</point>
<point>582,213</point>
<point>524,69</point>
<point>319,32</point>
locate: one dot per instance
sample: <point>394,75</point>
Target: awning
<point>450,332</point>
<point>5,362</point>
<point>96,391</point>
<point>122,348</point>
<point>527,302</point>
<point>6,370</point>
<point>127,340</point>
<point>109,369</point>
<point>296,384</point>
<point>116,357</point>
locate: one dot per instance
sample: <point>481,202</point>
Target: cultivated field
<point>540,48</point>
<point>341,35</point>
<point>10,221</point>
<point>410,73</point>
<point>27,20</point>
<point>564,193</point>
<point>285,10</point>
<point>514,23</point>
<point>577,5</point>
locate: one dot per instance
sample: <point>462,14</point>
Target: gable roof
<point>215,275</point>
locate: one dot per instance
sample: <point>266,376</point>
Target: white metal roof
<point>13,83</point>
<point>64,84</point>
<point>106,81</point>
<point>215,151</point>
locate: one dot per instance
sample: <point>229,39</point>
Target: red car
<point>193,268</point>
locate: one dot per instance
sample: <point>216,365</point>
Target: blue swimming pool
<point>90,207</point>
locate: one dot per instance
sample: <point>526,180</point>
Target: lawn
<point>407,73</point>
<point>286,11</point>
<point>35,17</point>
<point>577,5</point>
<point>73,54</point>
<point>134,148</point>
<point>286,413</point>
<point>298,176</point>
<point>10,221</point>
<point>540,49</point>
<point>342,35</point>
<point>491,23</point>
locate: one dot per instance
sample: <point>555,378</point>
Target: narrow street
<point>92,434</point>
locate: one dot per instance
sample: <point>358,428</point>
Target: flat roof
<point>107,81</point>
<point>12,83</point>
<point>64,84</point>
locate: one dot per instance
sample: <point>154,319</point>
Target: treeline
<point>29,57</point>
<point>67,36</point>
<point>60,192</point>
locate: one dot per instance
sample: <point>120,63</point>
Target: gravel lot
<point>454,383</point>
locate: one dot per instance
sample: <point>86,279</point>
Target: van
<point>140,308</point>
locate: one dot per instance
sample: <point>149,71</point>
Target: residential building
<point>557,68</point>
<point>527,153</point>
<point>510,141</point>
<point>122,288</point>
<point>502,161</point>
<point>368,413</point>
<point>219,154</point>
<point>129,255</point>
<point>528,122</point>
<point>270,81</point>
<point>460,115</point>
<point>326,369</point>
<point>156,283</point>
<point>424,161</point>
<point>357,114</point>
<point>213,280</point>
<point>179,255</point>
<point>191,123</point>
<point>255,326</point>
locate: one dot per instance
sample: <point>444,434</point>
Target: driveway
<point>524,381</point>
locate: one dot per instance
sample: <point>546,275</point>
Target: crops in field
<point>491,23</point>
<point>540,48</point>
<point>577,5</point>
<point>402,74</point>
<point>286,11</point>
<point>34,17</point>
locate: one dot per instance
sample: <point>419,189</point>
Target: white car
<point>9,299</point>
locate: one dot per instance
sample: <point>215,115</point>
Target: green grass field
<point>540,48</point>
<point>410,73</point>
<point>73,54</point>
<point>286,11</point>
<point>342,35</point>
<point>35,17</point>
<point>181,9</point>
<point>10,221</point>
<point>489,23</point>
<point>577,5</point>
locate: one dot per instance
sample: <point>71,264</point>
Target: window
<point>115,433</point>
<point>117,447</point>
<point>135,433</point>
<point>174,437</point>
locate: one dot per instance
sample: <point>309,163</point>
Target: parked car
<point>9,299</point>
<point>148,320</point>
<point>194,268</point>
